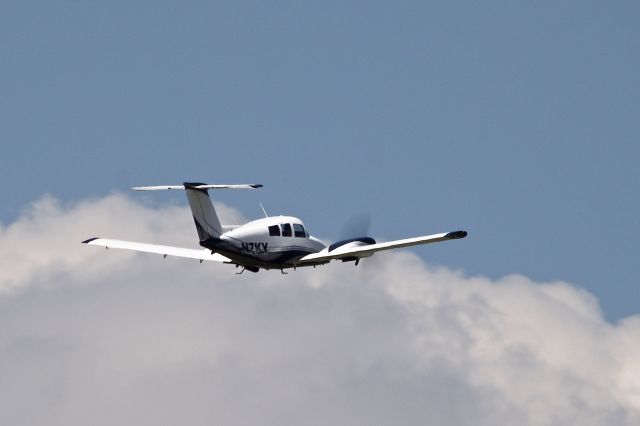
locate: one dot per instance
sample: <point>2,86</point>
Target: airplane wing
<point>201,255</point>
<point>358,249</point>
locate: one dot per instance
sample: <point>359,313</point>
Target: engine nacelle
<point>351,242</point>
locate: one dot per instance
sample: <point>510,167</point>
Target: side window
<point>274,231</point>
<point>298,230</point>
<point>286,230</point>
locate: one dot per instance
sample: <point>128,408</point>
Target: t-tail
<point>204,214</point>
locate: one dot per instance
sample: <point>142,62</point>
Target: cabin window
<point>274,231</point>
<point>298,230</point>
<point>286,230</point>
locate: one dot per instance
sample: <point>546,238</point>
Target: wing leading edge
<point>201,255</point>
<point>348,251</point>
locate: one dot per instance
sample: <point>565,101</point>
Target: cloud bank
<point>89,336</point>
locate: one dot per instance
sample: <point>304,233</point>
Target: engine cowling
<point>351,243</point>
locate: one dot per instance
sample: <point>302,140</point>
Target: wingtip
<point>89,240</point>
<point>455,235</point>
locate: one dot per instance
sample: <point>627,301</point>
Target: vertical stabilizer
<point>204,214</point>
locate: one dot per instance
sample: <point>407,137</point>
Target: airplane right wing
<point>361,248</point>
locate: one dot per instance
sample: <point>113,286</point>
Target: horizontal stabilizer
<point>200,254</point>
<point>197,186</point>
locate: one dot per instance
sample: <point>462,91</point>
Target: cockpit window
<point>286,230</point>
<point>274,231</point>
<point>298,230</point>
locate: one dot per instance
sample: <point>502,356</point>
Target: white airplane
<point>276,242</point>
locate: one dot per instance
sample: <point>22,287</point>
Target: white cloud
<point>95,337</point>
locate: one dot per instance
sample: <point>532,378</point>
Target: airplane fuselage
<point>275,242</point>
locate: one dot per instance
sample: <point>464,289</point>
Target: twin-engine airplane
<point>277,242</point>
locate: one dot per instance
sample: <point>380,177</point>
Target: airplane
<point>276,242</point>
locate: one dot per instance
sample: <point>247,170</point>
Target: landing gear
<point>248,268</point>
<point>354,259</point>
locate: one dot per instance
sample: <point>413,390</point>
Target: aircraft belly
<point>259,254</point>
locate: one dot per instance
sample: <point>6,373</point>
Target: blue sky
<point>516,121</point>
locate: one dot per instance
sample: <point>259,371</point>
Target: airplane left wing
<point>357,249</point>
<point>201,255</point>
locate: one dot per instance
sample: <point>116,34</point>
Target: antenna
<point>263,210</point>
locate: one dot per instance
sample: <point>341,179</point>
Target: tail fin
<point>204,214</point>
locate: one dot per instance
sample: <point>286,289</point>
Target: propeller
<point>357,226</point>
